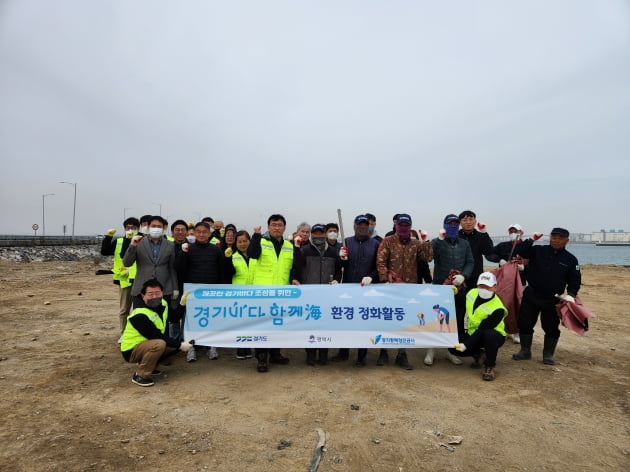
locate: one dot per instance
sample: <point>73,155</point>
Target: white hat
<point>516,226</point>
<point>487,278</point>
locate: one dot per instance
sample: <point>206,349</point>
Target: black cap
<point>361,219</point>
<point>403,218</point>
<point>318,227</point>
<point>451,218</point>
<point>560,232</point>
<point>466,213</point>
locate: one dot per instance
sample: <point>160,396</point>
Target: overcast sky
<point>519,111</point>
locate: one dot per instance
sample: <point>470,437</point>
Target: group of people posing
<point>150,268</point>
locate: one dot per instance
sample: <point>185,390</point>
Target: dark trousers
<point>487,339</point>
<point>311,352</point>
<point>534,303</point>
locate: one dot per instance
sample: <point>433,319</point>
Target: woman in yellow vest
<point>485,329</point>
<point>242,268</point>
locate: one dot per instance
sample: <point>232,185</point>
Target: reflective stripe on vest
<point>483,311</point>
<point>131,337</point>
<point>272,269</point>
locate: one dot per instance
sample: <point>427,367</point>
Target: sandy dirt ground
<point>69,404</point>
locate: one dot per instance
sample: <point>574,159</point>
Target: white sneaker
<point>453,358</point>
<point>213,354</point>
<point>428,357</point>
<point>516,338</point>
<point>191,355</point>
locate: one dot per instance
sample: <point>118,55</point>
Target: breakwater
<point>51,253</point>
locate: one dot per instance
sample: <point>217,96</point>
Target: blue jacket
<point>361,260</point>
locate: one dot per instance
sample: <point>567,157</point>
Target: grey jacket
<point>163,269</point>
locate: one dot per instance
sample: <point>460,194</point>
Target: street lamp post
<point>74,206</point>
<point>44,213</point>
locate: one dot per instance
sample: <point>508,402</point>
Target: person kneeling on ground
<point>144,340</point>
<point>485,313</point>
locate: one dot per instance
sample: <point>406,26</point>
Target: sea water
<point>600,255</point>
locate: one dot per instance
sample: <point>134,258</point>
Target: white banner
<point>342,315</point>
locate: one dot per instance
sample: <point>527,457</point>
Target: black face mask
<point>154,302</point>
<point>318,242</point>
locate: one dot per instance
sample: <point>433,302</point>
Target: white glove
<point>185,247</point>
<point>461,347</point>
<point>481,227</point>
<point>343,253</point>
<point>458,280</point>
<point>182,301</point>
<point>520,267</point>
<point>333,282</point>
<point>185,346</point>
<point>423,235</point>
<point>502,262</point>
<point>442,234</point>
<point>567,298</point>
<point>111,232</point>
<point>297,241</point>
<point>175,294</point>
<point>537,236</point>
<point>366,281</point>
<point>136,239</point>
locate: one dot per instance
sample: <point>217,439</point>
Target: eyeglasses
<point>276,225</point>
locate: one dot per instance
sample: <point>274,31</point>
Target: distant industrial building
<point>611,237</point>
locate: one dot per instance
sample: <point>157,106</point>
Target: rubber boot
<point>262,362</point>
<point>526,348</point>
<point>548,349</point>
<point>402,361</point>
<point>323,356</point>
<point>383,358</point>
<point>342,355</point>
<point>361,354</point>
<point>310,356</point>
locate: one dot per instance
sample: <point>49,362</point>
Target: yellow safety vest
<point>483,311</point>
<point>244,273</point>
<point>272,269</point>
<point>131,337</point>
<point>119,267</point>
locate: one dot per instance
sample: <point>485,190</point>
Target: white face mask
<point>332,236</point>
<point>144,229</point>
<point>514,236</point>
<point>155,232</point>
<point>191,238</point>
<point>485,294</point>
